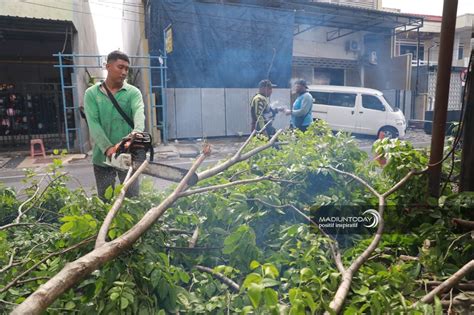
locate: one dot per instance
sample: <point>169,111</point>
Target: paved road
<point>83,175</point>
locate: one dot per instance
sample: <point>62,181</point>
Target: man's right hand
<point>111,151</point>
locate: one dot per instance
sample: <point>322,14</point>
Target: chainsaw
<point>132,152</point>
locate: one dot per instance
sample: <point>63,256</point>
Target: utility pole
<point>467,157</point>
<point>445,60</point>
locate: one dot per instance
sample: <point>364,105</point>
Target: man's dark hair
<point>116,55</point>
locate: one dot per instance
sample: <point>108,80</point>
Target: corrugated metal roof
<point>33,18</point>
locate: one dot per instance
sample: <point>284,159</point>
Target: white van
<point>357,110</point>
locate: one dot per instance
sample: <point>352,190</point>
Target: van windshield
<point>392,107</point>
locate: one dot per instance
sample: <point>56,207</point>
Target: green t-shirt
<point>106,126</point>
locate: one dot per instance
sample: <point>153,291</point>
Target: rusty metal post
<point>445,60</point>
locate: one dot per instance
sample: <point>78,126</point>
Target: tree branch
<point>402,182</point>
<point>178,231</point>
<point>466,286</point>
<point>10,263</point>
<point>104,229</point>
<point>464,223</point>
<point>14,281</point>
<point>216,187</point>
<point>357,178</point>
<point>73,272</point>
<point>20,282</point>
<point>449,283</point>
<point>194,238</point>
<point>238,156</point>
<point>20,208</point>
<point>20,212</point>
<point>343,289</point>
<point>231,284</point>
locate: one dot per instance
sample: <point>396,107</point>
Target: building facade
<point>31,102</point>
<point>221,49</point>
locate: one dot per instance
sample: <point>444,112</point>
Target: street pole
<point>445,60</point>
<point>467,156</point>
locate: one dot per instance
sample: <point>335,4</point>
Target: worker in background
<point>261,111</point>
<point>301,112</point>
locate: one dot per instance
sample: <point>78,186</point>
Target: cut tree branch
<point>231,284</point>
<point>61,252</point>
<point>21,213</point>
<point>104,229</point>
<point>10,262</point>
<point>347,276</point>
<point>357,178</point>
<point>464,223</point>
<point>238,157</point>
<point>465,286</point>
<point>194,238</point>
<point>216,187</point>
<point>449,283</point>
<point>75,271</point>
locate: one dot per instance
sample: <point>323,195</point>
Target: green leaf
<point>268,282</point>
<point>254,264</point>
<point>306,273</point>
<point>255,294</point>
<point>109,192</point>
<point>252,278</point>
<point>308,299</point>
<point>270,297</point>
<point>270,270</point>
<point>155,277</point>
<point>114,296</point>
<point>163,289</point>
<point>184,276</point>
<point>66,227</point>
<point>123,303</point>
<point>70,305</point>
<point>362,291</point>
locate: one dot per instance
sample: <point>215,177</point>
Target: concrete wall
<point>313,43</point>
<point>202,113</point>
<point>389,73</point>
<point>135,43</point>
<point>84,42</point>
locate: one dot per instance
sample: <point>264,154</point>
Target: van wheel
<point>389,132</point>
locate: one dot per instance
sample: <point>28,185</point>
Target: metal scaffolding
<point>158,121</point>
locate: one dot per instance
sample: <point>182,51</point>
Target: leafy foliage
<point>246,234</point>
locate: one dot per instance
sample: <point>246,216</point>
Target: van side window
<point>320,97</point>
<point>334,99</point>
<point>342,99</point>
<point>372,102</point>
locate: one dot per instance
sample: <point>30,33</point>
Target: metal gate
<point>69,93</point>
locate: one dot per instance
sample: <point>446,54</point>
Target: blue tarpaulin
<point>219,45</point>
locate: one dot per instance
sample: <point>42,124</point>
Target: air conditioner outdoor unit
<point>352,45</point>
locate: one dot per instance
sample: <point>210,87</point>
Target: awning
<point>22,28</point>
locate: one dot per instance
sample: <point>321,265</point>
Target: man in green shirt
<point>106,126</point>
